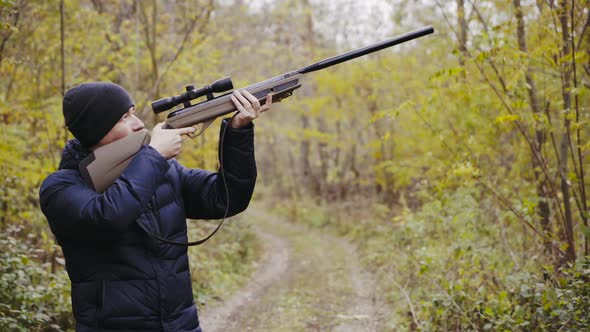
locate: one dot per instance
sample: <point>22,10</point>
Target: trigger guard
<point>203,127</point>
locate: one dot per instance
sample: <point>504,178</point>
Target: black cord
<point>222,171</point>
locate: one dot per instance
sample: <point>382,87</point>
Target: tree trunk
<point>307,170</point>
<point>543,209</point>
<point>308,89</point>
<point>63,63</point>
<point>324,156</point>
<point>565,141</point>
<point>462,22</point>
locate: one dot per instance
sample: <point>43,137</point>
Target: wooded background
<point>456,162</point>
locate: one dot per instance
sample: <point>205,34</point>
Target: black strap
<point>184,244</point>
<point>222,171</point>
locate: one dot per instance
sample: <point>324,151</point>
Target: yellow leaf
<point>507,118</point>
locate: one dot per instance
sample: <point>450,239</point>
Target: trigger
<point>202,128</point>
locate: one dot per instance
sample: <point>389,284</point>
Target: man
<point>122,278</point>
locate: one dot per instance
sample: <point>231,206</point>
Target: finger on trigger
<point>187,130</point>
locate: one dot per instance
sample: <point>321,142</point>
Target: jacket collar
<point>73,154</point>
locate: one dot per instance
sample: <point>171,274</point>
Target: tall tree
<point>543,210</point>
<point>565,145</point>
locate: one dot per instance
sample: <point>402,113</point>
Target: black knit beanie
<point>91,110</point>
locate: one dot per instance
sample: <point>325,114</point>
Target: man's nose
<point>137,123</point>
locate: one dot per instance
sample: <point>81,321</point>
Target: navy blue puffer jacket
<point>123,279</point>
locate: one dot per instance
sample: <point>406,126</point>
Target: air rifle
<point>105,164</point>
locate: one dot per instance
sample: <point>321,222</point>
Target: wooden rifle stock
<point>105,164</point>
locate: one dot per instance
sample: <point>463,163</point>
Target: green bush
<point>31,297</point>
<point>525,302</point>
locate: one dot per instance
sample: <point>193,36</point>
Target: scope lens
<point>162,105</point>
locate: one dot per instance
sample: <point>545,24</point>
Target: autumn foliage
<point>457,163</point>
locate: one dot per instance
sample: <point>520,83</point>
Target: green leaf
<point>24,260</point>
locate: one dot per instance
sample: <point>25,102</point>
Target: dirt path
<point>271,267</point>
<point>306,281</point>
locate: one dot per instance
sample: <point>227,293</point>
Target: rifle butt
<point>105,164</point>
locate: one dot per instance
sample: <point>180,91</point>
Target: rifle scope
<point>191,93</point>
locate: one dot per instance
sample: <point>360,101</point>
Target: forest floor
<point>305,280</point>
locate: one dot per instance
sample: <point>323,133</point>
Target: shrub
<point>525,303</point>
<point>31,297</point>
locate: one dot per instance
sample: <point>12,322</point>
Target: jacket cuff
<point>154,153</point>
<point>241,138</point>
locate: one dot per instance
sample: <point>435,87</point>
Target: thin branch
<point>521,217</point>
<point>409,300</point>
<point>553,140</point>
<point>488,59</point>
<point>204,18</point>
<point>191,27</point>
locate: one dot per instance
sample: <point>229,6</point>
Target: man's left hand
<point>249,108</point>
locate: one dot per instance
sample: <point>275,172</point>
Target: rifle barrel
<point>367,50</point>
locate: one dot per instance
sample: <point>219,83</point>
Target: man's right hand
<point>168,142</point>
